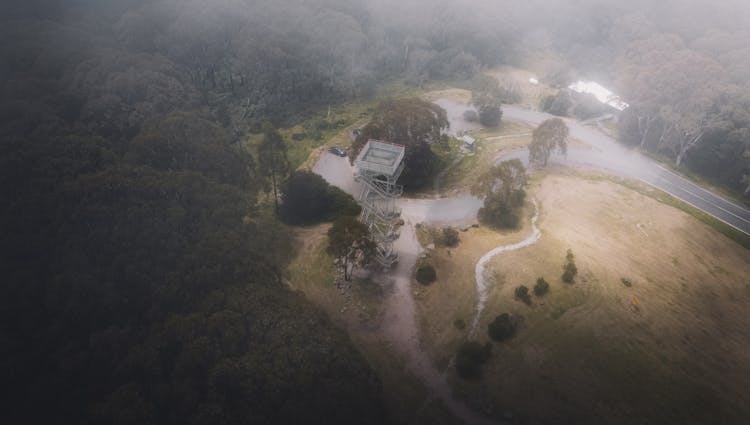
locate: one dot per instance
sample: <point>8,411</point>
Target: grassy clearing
<point>453,296</point>
<point>667,349</point>
<point>737,236</point>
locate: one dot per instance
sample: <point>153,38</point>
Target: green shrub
<point>449,237</point>
<point>502,328</point>
<point>627,282</point>
<point>557,104</point>
<point>308,199</point>
<point>471,115</point>
<point>569,269</point>
<point>490,115</point>
<point>459,324</point>
<point>470,357</point>
<point>341,204</point>
<point>541,287</point>
<point>522,293</point>
<point>426,274</point>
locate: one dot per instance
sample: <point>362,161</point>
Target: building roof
<point>603,94</point>
<point>381,157</point>
<point>468,140</point>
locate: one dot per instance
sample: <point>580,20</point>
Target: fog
<point>149,151</point>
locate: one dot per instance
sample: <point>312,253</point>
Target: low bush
<point>459,324</point>
<point>557,104</point>
<point>449,237</point>
<point>490,115</point>
<point>627,282</point>
<point>470,357</point>
<point>541,287</point>
<point>502,328</point>
<point>471,115</point>
<point>426,274</point>
<point>570,270</point>
<point>340,204</point>
<point>522,293</point>
<point>308,199</point>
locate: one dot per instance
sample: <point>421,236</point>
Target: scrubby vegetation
<point>502,328</point>
<point>570,270</point>
<point>449,237</point>
<point>459,324</point>
<point>522,293</point>
<point>426,274</point>
<point>308,199</point>
<point>558,104</point>
<point>470,358</point>
<point>541,287</point>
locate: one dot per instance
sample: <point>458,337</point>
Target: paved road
<point>450,211</point>
<point>606,154</point>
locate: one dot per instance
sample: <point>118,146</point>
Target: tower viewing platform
<point>379,165</point>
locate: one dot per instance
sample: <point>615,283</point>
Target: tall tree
<point>503,189</point>
<point>273,160</point>
<point>414,123</point>
<point>487,97</point>
<point>349,240</point>
<point>549,135</point>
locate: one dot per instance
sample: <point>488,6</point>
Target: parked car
<point>336,150</point>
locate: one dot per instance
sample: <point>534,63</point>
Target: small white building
<point>602,94</point>
<point>469,142</point>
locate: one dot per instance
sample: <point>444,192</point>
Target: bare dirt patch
<point>673,347</point>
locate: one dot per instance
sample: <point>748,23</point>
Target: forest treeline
<point>683,67</point>
<point>142,277</point>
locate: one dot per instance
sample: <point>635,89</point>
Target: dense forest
<point>141,269</point>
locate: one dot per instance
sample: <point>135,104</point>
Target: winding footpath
<point>479,270</point>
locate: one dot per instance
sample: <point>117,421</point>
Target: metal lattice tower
<point>380,165</point>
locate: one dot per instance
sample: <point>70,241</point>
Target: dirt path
<point>401,331</point>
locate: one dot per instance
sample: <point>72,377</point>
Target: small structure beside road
<point>469,142</point>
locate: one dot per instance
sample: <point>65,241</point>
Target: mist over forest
<point>144,266</point>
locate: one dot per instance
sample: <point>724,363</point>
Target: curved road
<point>609,155</point>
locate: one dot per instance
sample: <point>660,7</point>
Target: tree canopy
<point>414,123</point>
<point>350,241</point>
<point>272,158</point>
<point>503,189</point>
<point>487,97</point>
<point>549,136</point>
<point>307,199</point>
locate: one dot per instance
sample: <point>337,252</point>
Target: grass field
<point>673,347</point>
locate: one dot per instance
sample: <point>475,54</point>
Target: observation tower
<point>380,165</point>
